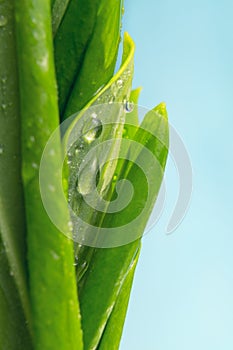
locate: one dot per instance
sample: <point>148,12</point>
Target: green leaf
<point>55,309</point>
<point>132,117</point>
<point>14,333</point>
<point>113,330</point>
<point>111,131</point>
<point>124,76</point>
<point>101,284</point>
<point>13,274</point>
<point>100,288</point>
<point>86,47</point>
<point>70,43</point>
<point>59,8</point>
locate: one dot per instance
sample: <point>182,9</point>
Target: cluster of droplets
<point>91,131</point>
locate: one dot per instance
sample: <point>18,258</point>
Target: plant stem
<point>55,309</point>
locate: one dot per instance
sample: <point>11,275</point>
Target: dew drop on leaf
<point>119,83</point>
<point>92,130</point>
<point>34,165</point>
<point>129,106</point>
<point>3,21</point>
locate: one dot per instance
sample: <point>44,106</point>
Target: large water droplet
<point>3,21</point>
<point>87,177</point>
<point>92,130</point>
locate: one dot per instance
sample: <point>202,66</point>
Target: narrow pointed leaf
<point>113,331</point>
<point>86,47</point>
<point>59,8</point>
<point>108,268</point>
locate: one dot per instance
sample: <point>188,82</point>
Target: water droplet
<point>11,273</point>
<point>4,79</point>
<point>42,61</point>
<point>111,99</point>
<point>51,188</point>
<point>94,115</point>
<point>86,181</point>
<point>70,225</point>
<point>92,130</point>
<point>35,166</point>
<point>54,255</point>
<point>119,83</point>
<point>1,149</point>
<point>81,269</point>
<point>4,106</point>
<point>52,152</point>
<point>114,179</point>
<point>76,151</point>
<point>3,21</point>
<point>129,106</point>
<point>32,138</point>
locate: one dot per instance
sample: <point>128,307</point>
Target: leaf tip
<point>162,110</point>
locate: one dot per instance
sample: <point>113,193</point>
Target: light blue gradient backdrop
<point>183,291</point>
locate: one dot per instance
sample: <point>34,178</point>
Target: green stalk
<point>55,309</point>
<point>12,218</point>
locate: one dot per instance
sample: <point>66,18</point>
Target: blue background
<point>182,294</point>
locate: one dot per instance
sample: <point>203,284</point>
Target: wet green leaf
<point>55,310</point>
